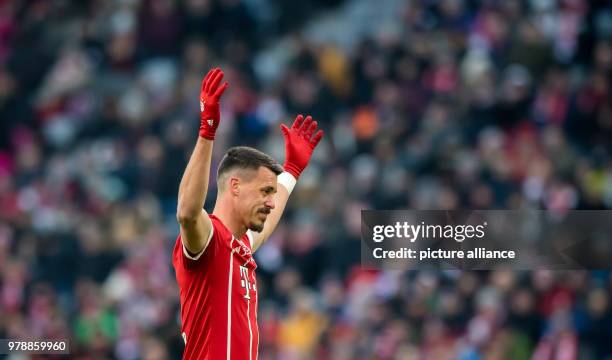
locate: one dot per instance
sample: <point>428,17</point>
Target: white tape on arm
<point>287,180</point>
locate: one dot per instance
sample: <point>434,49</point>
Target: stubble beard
<point>256,227</point>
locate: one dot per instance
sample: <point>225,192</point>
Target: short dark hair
<point>245,157</point>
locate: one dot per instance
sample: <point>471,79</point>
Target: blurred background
<point>432,104</point>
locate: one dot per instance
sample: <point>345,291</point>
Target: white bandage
<point>287,180</point>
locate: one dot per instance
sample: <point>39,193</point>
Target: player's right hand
<point>210,95</point>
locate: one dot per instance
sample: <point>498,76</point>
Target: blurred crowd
<point>469,105</point>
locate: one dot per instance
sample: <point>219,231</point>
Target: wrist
<point>207,129</point>
<point>292,169</point>
<point>207,135</point>
<point>287,180</point>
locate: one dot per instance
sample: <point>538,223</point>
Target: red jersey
<point>218,297</point>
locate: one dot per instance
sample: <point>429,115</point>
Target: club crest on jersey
<point>242,249</point>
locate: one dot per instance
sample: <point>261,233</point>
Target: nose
<point>270,203</point>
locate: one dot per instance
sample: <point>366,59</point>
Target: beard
<point>258,227</point>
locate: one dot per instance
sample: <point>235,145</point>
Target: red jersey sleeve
<point>184,260</point>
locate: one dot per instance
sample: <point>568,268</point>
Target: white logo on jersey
<point>184,337</point>
<point>245,283</point>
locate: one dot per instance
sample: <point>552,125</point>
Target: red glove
<point>209,103</point>
<point>299,144</point>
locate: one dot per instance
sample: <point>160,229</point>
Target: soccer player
<point>213,254</point>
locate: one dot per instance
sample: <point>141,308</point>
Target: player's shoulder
<point>184,258</point>
<point>225,234</point>
<point>219,228</point>
<point>214,220</point>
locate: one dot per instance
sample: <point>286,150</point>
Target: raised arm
<point>194,222</point>
<point>299,145</point>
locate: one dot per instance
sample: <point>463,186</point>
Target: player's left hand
<point>300,143</point>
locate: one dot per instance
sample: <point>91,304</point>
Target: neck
<point>225,212</point>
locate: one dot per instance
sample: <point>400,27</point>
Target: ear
<point>234,186</point>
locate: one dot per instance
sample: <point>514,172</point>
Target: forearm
<point>194,184</point>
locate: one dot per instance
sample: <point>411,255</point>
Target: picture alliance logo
<point>412,232</point>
